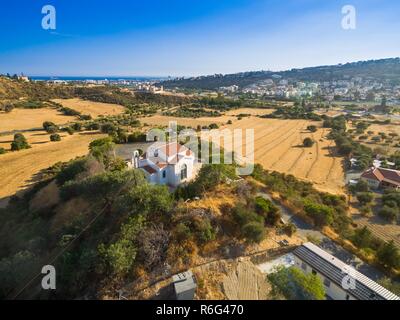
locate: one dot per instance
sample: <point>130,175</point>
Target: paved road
<point>304,229</point>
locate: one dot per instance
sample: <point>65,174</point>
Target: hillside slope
<point>381,70</point>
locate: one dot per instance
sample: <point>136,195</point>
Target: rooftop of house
<point>333,269</point>
<point>381,174</point>
<point>170,149</point>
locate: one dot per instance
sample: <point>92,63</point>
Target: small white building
<point>341,281</point>
<point>167,163</point>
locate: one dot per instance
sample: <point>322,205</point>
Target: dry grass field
<point>203,121</point>
<point>278,147</point>
<point>389,144</point>
<point>18,169</point>
<point>95,109</point>
<point>22,119</point>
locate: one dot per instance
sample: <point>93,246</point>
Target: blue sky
<point>192,37</point>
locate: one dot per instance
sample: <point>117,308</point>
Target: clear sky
<point>191,37</point>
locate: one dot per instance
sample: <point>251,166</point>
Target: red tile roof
<point>149,169</point>
<point>381,174</point>
<point>173,148</point>
<point>161,164</point>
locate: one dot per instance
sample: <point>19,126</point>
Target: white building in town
<point>167,163</point>
<point>341,281</point>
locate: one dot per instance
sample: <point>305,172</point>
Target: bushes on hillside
<point>322,208</point>
<point>119,257</point>
<point>250,224</point>
<point>71,171</point>
<point>2,150</point>
<point>320,213</point>
<point>209,177</point>
<point>268,210</point>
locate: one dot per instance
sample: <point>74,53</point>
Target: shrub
<point>69,172</point>
<point>388,255</point>
<point>108,128</point>
<point>70,131</point>
<point>2,151</point>
<point>253,231</point>
<point>268,210</point>
<point>8,108</point>
<point>361,186</point>
<point>290,229</point>
<point>77,126</point>
<point>55,137</point>
<point>389,213</point>
<point>136,137</point>
<point>120,256</point>
<point>308,142</point>
<point>365,197</point>
<point>321,214</point>
<point>293,284</point>
<point>366,210</point>
<point>19,142</point>
<point>312,128</point>
<point>242,215</point>
<point>362,238</point>
<point>50,127</point>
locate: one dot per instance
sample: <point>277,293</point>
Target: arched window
<point>184,172</point>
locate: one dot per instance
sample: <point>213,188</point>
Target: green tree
<point>101,149</point>
<point>312,128</point>
<point>365,197</point>
<point>389,213</point>
<point>308,142</point>
<point>19,142</point>
<point>55,137</point>
<point>253,231</point>
<point>388,255</point>
<point>362,238</point>
<point>120,256</point>
<point>321,214</point>
<point>293,284</point>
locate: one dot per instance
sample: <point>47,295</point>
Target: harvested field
<point>251,111</point>
<point>95,109</point>
<point>160,120</point>
<point>18,169</point>
<point>204,121</point>
<point>278,147</point>
<point>23,119</point>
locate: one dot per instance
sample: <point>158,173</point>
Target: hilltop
<point>381,70</point>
